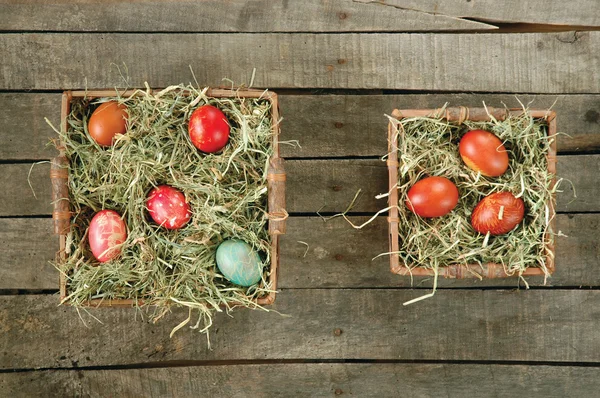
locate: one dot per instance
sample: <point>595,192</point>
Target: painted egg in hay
<point>107,232</point>
<point>239,263</point>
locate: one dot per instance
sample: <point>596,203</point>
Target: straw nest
<point>226,191</point>
<point>428,146</point>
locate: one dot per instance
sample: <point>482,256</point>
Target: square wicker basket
<point>458,115</point>
<point>275,186</point>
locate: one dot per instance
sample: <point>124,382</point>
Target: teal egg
<point>239,263</point>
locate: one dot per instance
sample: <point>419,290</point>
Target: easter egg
<point>167,207</point>
<point>108,120</point>
<point>239,263</point>
<point>432,197</point>
<point>106,231</point>
<point>208,129</point>
<point>497,213</point>
<point>484,152</point>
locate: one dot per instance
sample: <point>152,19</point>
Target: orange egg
<point>484,152</point>
<point>108,120</point>
<point>432,197</point>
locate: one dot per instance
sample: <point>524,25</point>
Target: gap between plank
<point>41,292</point>
<point>192,363</point>
<point>315,91</point>
<point>498,27</point>
<point>298,214</point>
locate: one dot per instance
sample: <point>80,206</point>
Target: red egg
<point>108,120</point>
<point>497,213</point>
<point>208,129</point>
<point>167,207</point>
<point>107,230</point>
<point>432,197</point>
<point>484,152</point>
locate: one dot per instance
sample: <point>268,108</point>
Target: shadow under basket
<point>458,115</point>
<point>276,178</point>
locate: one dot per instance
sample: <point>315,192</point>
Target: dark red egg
<point>107,230</point>
<point>167,207</point>
<point>497,213</point>
<point>108,120</point>
<point>432,197</point>
<point>208,129</point>
<point>484,152</point>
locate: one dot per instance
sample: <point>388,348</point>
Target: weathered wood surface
<point>337,256</point>
<point>354,125</point>
<point>20,199</point>
<point>312,185</point>
<point>311,380</point>
<point>27,246</point>
<point>534,325</point>
<point>339,125</point>
<point>583,13</point>
<point>565,62</point>
<point>219,16</point>
<point>25,133</point>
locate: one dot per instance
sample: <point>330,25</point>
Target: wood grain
<point>312,185</point>
<point>535,325</point>
<point>355,125</point>
<point>337,256</point>
<point>538,62</point>
<point>28,244</point>
<point>330,185</point>
<point>18,198</point>
<point>25,134</point>
<point>339,125</point>
<point>312,380</point>
<point>584,13</point>
<point>219,16</point>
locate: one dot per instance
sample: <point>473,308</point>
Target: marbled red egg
<point>167,207</point>
<point>498,213</point>
<point>208,129</point>
<point>107,231</point>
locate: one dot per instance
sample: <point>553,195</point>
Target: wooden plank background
<point>338,326</point>
<point>314,380</point>
<point>314,185</point>
<point>502,325</point>
<point>532,62</point>
<point>584,13</point>
<point>332,129</point>
<point>343,262</point>
<point>232,16</point>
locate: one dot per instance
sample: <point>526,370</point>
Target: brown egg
<point>107,121</point>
